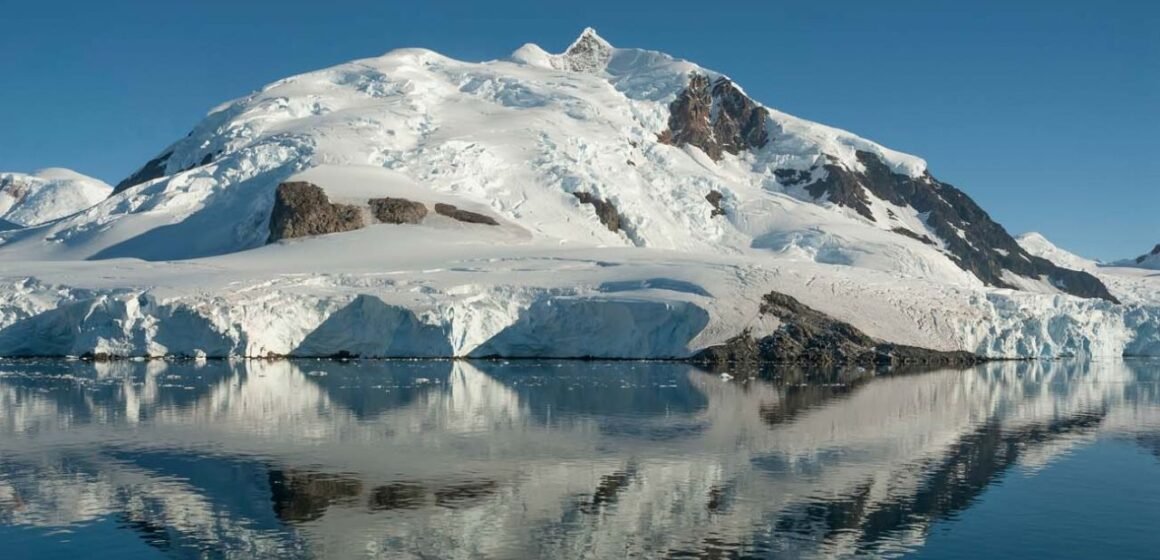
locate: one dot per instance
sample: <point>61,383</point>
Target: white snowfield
<point>179,265</point>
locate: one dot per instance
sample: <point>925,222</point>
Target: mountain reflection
<point>534,459</point>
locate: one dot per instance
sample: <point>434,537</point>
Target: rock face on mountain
<point>302,209</point>
<point>1155,252</point>
<point>716,117</point>
<point>397,210</point>
<point>463,215</point>
<point>714,198</point>
<point>807,336</point>
<point>971,238</point>
<point>153,169</point>
<point>605,210</point>
<point>720,118</point>
<point>589,53</point>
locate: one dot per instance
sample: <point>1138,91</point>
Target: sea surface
<point>528,459</point>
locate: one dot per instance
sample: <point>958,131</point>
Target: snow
<point>1038,245</point>
<point>46,195</point>
<point>179,265</point>
<point>1128,281</point>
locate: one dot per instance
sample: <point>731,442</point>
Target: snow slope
<point>1132,283</point>
<point>49,194</point>
<point>175,261</point>
<point>1040,246</point>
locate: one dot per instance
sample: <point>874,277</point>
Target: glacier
<point>175,262</point>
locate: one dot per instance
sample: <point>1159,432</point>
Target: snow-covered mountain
<point>1147,260</point>
<point>49,194</point>
<point>1036,244</point>
<point>600,202</point>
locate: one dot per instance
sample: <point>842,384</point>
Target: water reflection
<point>530,460</point>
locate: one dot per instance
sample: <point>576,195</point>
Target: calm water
<point>576,460</point>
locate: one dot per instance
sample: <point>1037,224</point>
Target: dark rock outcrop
<point>716,118</point>
<point>607,213</point>
<point>740,123</point>
<point>715,198</point>
<point>1140,259</point>
<point>302,209</point>
<point>397,210</point>
<point>463,215</point>
<point>792,177</point>
<point>807,336</point>
<point>974,241</point>
<point>907,233</point>
<point>152,169</point>
<point>157,167</point>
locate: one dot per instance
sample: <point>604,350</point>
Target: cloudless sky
<point>1046,112</point>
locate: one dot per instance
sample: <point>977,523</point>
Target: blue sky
<point>1046,112</point>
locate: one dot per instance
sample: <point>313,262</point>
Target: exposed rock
<point>791,177</point>
<point>157,167</point>
<point>689,118</point>
<point>1140,259</point>
<point>807,336</point>
<point>607,213</point>
<point>152,169</point>
<point>739,122</point>
<point>716,118</point>
<point>969,234</point>
<point>302,209</point>
<point>714,198</point>
<point>589,53</point>
<point>397,210</point>
<point>463,215</point>
<point>907,233</point>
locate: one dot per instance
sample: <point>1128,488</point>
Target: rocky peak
<point>1155,251</point>
<point>589,53</point>
<point>716,117</point>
